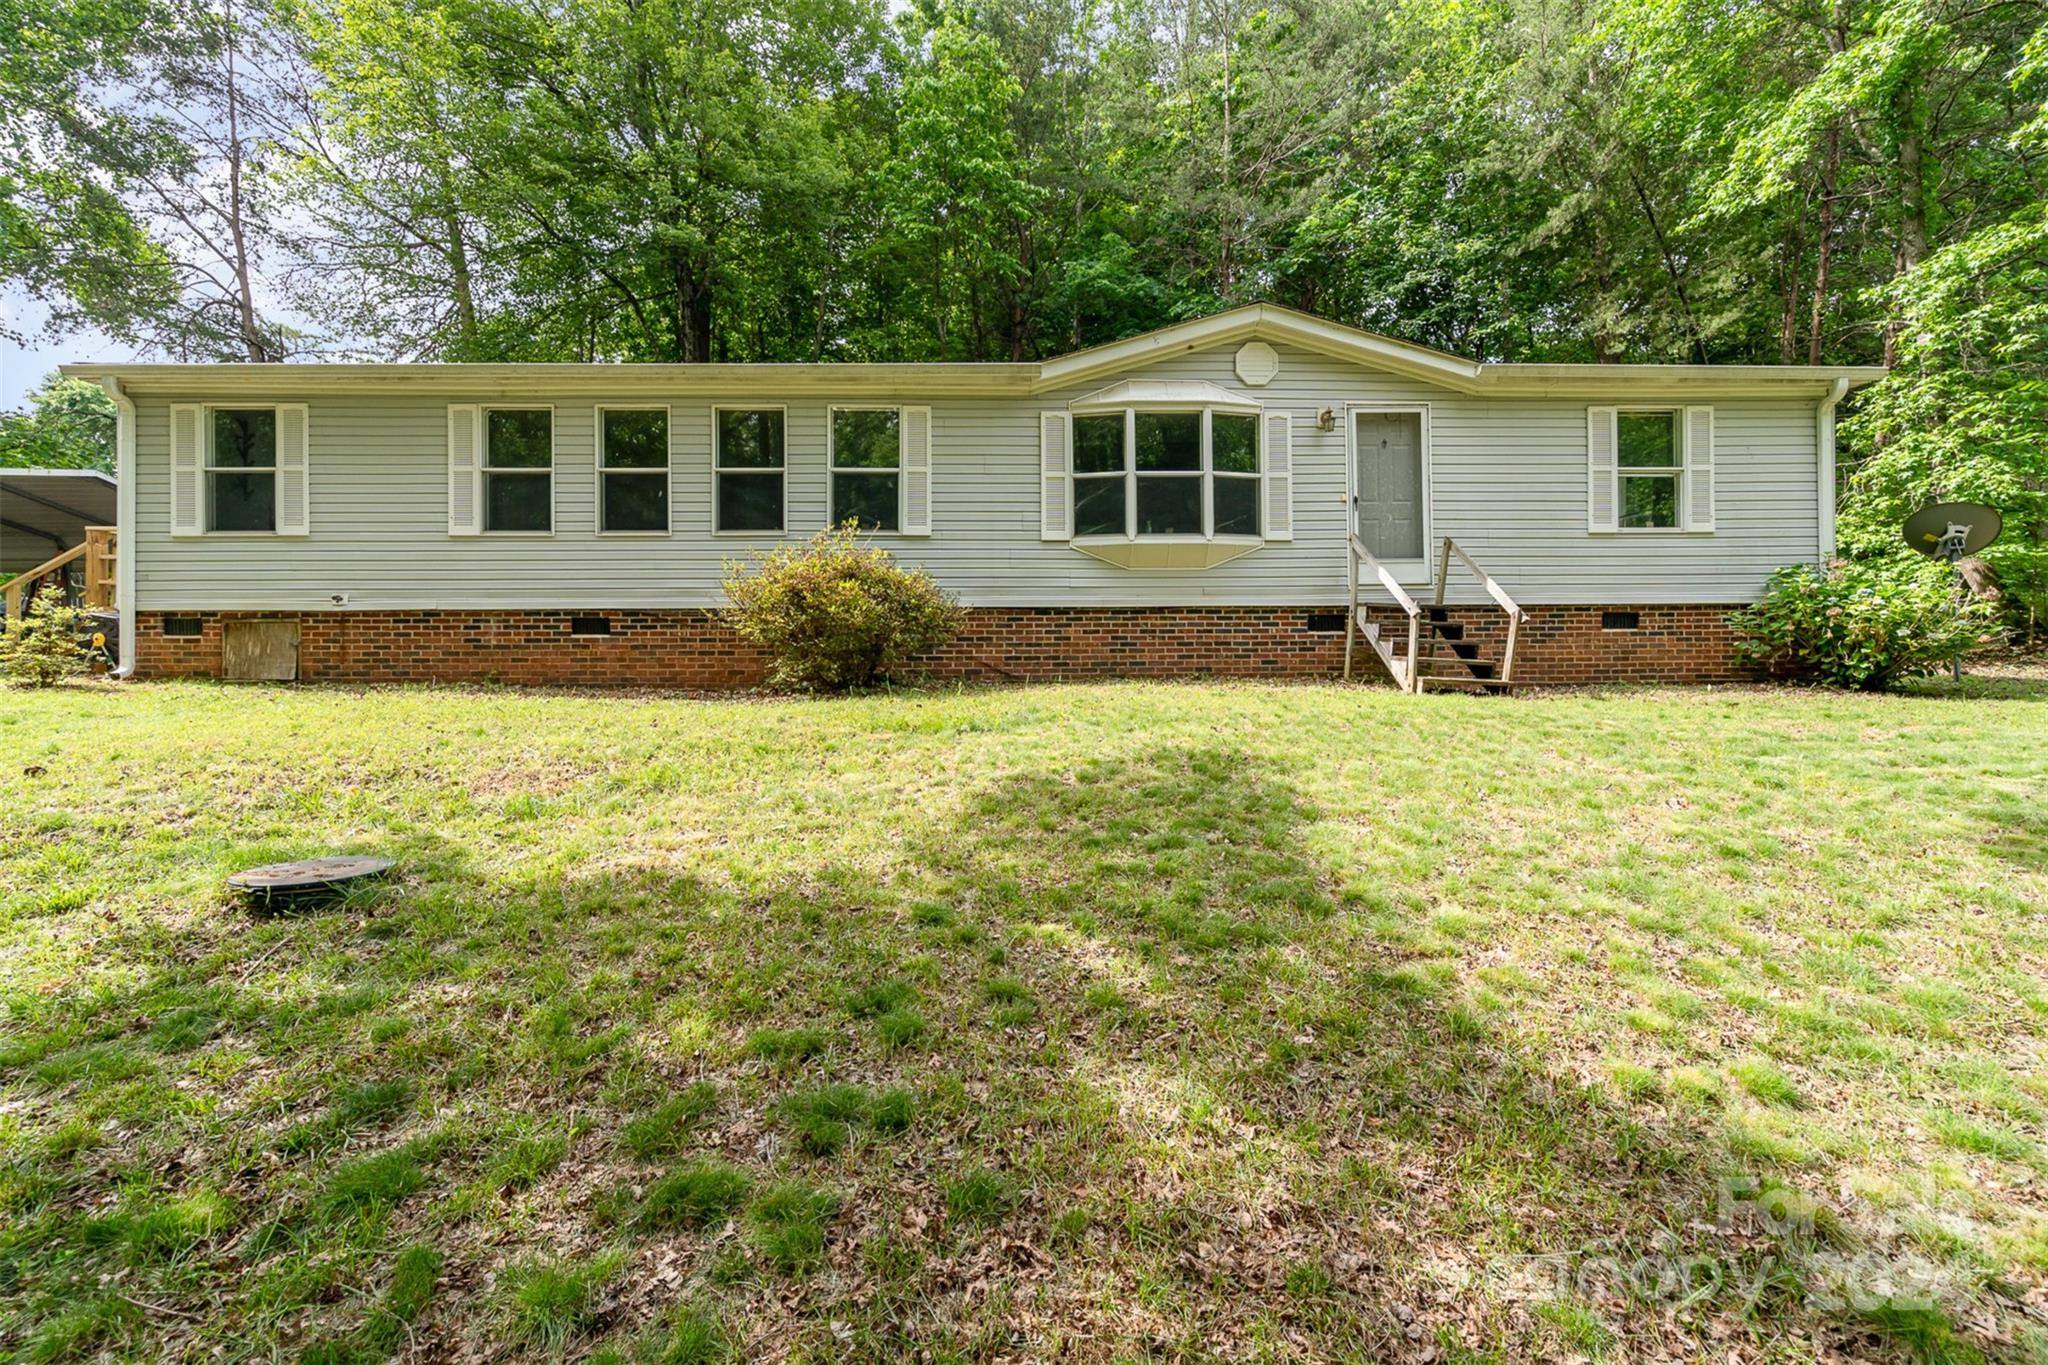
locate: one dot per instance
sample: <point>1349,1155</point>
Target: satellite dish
<point>1950,530</point>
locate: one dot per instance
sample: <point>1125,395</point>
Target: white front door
<point>1388,485</point>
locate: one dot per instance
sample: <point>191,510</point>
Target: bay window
<point>1166,473</point>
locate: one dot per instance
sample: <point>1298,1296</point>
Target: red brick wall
<point>689,648</point>
<point>1683,644</point>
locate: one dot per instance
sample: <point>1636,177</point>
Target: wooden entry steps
<point>1435,656</point>
<point>95,555</point>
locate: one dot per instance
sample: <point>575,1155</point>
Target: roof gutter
<point>124,520</point>
<point>1824,443</point>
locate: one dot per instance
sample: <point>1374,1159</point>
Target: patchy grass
<point>694,1195</point>
<point>1100,1022</point>
<point>666,1130</point>
<point>789,1225</point>
<point>979,1196</point>
<point>550,1303</point>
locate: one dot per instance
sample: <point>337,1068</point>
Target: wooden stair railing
<point>1403,669</point>
<point>1438,654</point>
<point>97,554</point>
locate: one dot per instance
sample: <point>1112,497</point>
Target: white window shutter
<point>1054,505</point>
<point>293,434</point>
<point>1699,469</point>
<point>1279,476</point>
<point>188,480</point>
<point>465,472</point>
<point>1600,463</point>
<point>916,426</point>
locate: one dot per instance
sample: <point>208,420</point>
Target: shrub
<point>41,648</point>
<point>832,614</point>
<point>1858,625</point>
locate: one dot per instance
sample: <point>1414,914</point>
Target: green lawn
<point>1088,1023</point>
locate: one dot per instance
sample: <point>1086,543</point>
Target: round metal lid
<point>307,873</point>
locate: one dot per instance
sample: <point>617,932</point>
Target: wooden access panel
<point>260,651</point>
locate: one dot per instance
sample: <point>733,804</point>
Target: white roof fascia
<point>908,382</point>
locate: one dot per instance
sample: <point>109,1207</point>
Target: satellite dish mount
<point>1951,532</point>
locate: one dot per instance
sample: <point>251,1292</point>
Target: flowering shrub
<point>1858,625</point>
<point>832,614</point>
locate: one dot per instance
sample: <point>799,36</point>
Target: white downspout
<point>124,520</point>
<point>1824,442</point>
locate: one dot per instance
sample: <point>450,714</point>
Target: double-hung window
<point>632,471</point>
<point>1160,473</point>
<point>1651,469</point>
<point>241,469</point>
<point>1234,473</point>
<point>1100,479</point>
<point>867,467</point>
<point>519,470</point>
<point>748,455</point>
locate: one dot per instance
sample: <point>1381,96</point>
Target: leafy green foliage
<point>834,615</point>
<point>41,647</point>
<point>1860,626</point>
<point>69,424</point>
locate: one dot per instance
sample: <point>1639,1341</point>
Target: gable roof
<point>1274,323</point>
<point>1257,321</point>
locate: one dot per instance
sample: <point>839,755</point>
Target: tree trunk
<point>1788,292</point>
<point>460,284</point>
<point>245,300</point>
<point>1603,290</point>
<point>1830,172</point>
<point>1671,268</point>
<point>692,312</point>
<point>1912,248</point>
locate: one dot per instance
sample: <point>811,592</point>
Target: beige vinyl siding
<point>1508,476</point>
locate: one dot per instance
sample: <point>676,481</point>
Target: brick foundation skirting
<point>691,649</point>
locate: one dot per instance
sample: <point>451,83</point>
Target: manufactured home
<point>1257,493</point>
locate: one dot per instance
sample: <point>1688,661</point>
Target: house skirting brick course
<point>690,649</point>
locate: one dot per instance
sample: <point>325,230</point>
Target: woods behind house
<point>702,180</point>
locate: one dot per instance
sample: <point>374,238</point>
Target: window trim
<point>832,470</point>
<point>717,470</point>
<point>484,470</point>
<point>667,470</point>
<point>1205,472</point>
<point>207,469</point>
<point>1676,473</point>
<point>1411,570</point>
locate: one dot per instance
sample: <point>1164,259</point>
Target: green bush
<point>1858,625</point>
<point>41,648</point>
<point>833,615</point>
